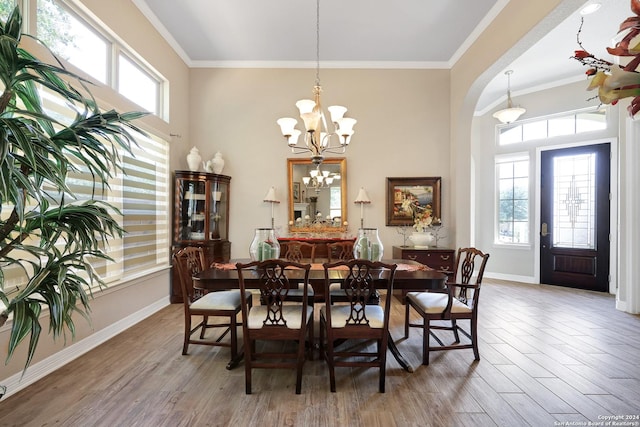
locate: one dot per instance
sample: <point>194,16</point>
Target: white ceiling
<point>372,34</point>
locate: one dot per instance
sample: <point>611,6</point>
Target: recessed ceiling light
<point>590,8</point>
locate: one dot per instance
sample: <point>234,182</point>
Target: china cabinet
<point>200,218</point>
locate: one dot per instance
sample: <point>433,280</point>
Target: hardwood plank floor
<point>550,356</point>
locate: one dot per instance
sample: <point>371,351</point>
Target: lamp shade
<point>509,115</point>
<point>271,196</point>
<point>363,197</point>
<point>337,112</point>
<point>287,125</point>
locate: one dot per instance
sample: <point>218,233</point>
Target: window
<point>72,39</point>
<point>574,207</point>
<point>6,6</point>
<point>512,174</point>
<point>77,40</point>
<point>145,198</point>
<point>136,84</point>
<point>565,124</point>
<point>141,194</point>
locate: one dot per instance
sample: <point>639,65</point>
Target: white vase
<point>218,163</point>
<point>194,159</point>
<point>421,239</point>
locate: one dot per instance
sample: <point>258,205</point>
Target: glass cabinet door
<point>219,208</point>
<point>192,209</point>
<point>202,207</point>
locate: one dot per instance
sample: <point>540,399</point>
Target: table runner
<point>318,266</point>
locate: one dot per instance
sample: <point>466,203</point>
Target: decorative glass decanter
<point>368,245</point>
<point>264,245</point>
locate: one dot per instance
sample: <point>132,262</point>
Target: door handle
<point>544,230</point>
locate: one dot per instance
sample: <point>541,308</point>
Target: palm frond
<point>37,149</point>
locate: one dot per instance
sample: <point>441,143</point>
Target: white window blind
<point>140,192</point>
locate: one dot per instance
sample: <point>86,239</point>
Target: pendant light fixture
<point>511,113</point>
<point>318,139</point>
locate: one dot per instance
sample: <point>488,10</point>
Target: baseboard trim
<point>39,370</point>
<point>510,277</point>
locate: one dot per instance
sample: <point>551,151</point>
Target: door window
<point>573,206</point>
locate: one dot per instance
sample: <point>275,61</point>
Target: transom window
<point>76,39</point>
<point>566,124</point>
<point>71,39</point>
<point>137,84</point>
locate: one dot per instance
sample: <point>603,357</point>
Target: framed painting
<point>412,199</point>
<point>297,198</point>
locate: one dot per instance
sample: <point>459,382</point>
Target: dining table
<point>410,276</point>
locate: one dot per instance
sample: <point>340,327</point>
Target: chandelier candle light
<point>511,113</point>
<point>271,198</point>
<point>318,140</point>
<point>362,199</point>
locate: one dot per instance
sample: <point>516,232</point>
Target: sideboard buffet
<point>440,259</point>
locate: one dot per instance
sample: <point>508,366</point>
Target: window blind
<point>140,191</point>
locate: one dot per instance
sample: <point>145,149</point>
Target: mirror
<point>317,204</point>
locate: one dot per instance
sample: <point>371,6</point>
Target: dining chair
<point>459,301</point>
<point>278,320</point>
<point>344,323</point>
<point>190,261</point>
<point>300,252</point>
<point>339,251</point>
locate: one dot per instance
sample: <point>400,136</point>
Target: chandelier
<point>317,179</point>
<point>510,113</point>
<point>318,139</point>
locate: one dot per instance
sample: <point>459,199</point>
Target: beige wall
<point>402,130</point>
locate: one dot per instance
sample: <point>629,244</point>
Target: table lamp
<point>362,199</point>
<point>271,198</point>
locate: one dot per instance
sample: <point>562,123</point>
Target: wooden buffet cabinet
<point>200,218</point>
<point>437,258</point>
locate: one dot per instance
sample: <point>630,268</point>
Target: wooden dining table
<point>410,276</point>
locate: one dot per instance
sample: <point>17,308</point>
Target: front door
<point>574,217</point>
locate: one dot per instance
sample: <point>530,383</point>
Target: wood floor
<point>549,356</point>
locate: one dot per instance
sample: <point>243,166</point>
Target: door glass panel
<point>573,201</point>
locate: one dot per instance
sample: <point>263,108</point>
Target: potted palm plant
<point>47,235</point>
